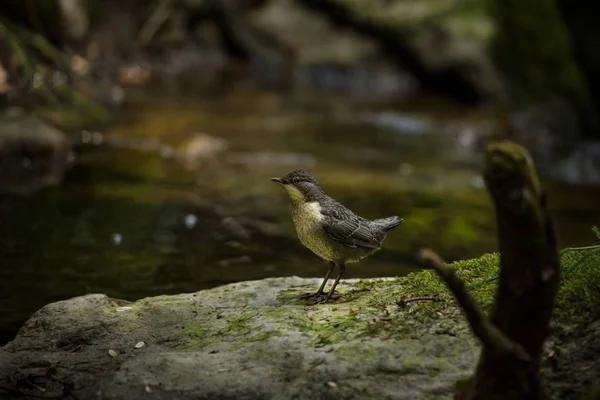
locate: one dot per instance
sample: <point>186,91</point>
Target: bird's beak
<point>278,180</point>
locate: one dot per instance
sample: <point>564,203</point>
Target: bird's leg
<point>331,268</point>
<point>342,270</point>
<point>320,291</point>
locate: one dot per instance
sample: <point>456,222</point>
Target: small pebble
<point>139,345</point>
<point>332,384</point>
<point>112,353</point>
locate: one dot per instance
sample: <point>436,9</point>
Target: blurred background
<point>137,138</point>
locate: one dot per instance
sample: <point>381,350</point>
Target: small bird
<point>329,229</point>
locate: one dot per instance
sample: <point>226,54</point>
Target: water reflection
<point>176,197</point>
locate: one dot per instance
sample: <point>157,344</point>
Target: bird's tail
<point>389,222</point>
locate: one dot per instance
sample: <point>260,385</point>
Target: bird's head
<point>300,185</point>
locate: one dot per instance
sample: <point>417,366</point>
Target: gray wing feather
<point>347,228</point>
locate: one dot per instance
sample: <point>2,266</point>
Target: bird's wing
<point>347,228</point>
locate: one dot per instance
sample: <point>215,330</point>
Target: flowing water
<point>175,196</point>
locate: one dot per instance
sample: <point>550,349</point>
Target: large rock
<point>251,340</point>
<point>400,338</point>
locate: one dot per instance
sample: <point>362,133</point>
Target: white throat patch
<point>294,193</point>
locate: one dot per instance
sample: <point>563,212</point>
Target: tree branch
<point>490,336</point>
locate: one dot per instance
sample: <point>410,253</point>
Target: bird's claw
<point>334,296</point>
<point>313,295</point>
<point>320,298</point>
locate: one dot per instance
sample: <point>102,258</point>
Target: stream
<point>175,196</point>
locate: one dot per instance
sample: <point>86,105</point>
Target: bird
<point>329,229</point>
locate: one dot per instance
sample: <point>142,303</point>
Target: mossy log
<point>513,335</point>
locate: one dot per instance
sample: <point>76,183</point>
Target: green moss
<point>197,334</point>
<point>240,324</point>
<point>241,327</point>
<point>579,295</point>
<point>292,296</point>
<point>369,309</point>
<point>264,352</point>
<point>508,157</point>
<point>265,336</point>
<point>357,353</point>
<point>578,299</point>
<point>337,328</point>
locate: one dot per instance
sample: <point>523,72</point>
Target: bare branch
<point>490,336</point>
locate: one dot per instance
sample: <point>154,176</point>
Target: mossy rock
<point>258,339</point>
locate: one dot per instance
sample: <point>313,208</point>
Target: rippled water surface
<point>176,197</point>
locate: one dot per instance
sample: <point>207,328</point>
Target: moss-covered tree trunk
<point>513,335</point>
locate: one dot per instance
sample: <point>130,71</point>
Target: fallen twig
<point>403,302</point>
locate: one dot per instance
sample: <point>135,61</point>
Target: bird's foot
<point>320,298</point>
<point>313,295</point>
